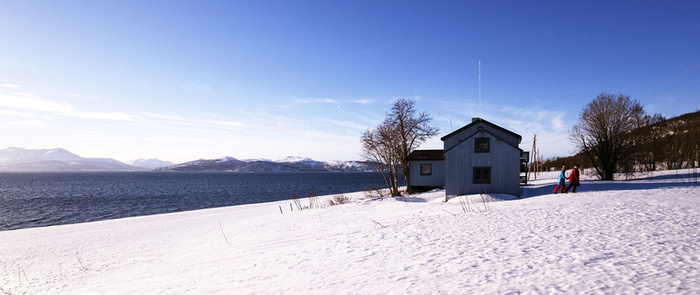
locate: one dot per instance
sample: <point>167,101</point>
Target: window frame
<point>479,144</point>
<point>479,173</point>
<point>430,169</point>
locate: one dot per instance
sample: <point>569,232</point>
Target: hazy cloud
<point>333,101</point>
<point>25,101</point>
<point>30,123</point>
<point>16,114</point>
<point>362,101</point>
<point>316,100</point>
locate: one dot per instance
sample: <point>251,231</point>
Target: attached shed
<point>426,170</point>
<point>482,157</point>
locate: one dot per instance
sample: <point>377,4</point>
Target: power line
<point>551,141</point>
<point>684,86</point>
<point>677,102</point>
<point>669,80</point>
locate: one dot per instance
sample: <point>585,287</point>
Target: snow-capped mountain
<point>150,163</point>
<point>16,155</point>
<point>289,164</point>
<point>14,159</point>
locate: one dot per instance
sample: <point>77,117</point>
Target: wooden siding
<point>435,179</point>
<point>503,158</point>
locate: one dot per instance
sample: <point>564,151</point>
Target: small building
<point>482,157</point>
<point>426,170</point>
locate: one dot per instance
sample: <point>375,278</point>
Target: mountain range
<point>290,164</point>
<point>15,159</point>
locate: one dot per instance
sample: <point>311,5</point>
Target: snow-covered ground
<point>623,237</point>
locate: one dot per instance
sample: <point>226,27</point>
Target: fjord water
<point>43,199</point>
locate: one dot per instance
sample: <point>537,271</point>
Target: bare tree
<point>377,146</point>
<point>604,132</point>
<point>402,132</point>
<point>412,129</point>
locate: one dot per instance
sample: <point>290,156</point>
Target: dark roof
<point>476,121</point>
<point>426,155</point>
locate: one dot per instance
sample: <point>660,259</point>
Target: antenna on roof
<point>480,89</point>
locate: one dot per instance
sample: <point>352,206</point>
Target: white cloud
<point>16,114</point>
<point>25,101</point>
<point>82,96</point>
<point>362,101</point>
<point>30,123</point>
<point>101,116</point>
<point>205,121</point>
<point>558,122</point>
<point>10,86</point>
<point>345,124</point>
<point>316,100</point>
<point>31,102</point>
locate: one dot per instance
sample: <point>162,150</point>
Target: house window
<point>481,144</point>
<point>426,169</point>
<point>482,175</point>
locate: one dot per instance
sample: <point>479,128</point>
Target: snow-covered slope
<point>289,164</point>
<point>613,237</point>
<point>150,163</point>
<point>16,159</point>
<point>15,155</point>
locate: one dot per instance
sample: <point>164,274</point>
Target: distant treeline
<point>662,144</point>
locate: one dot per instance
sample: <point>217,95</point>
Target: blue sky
<point>182,80</point>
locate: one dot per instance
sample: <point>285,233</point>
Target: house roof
<point>480,120</point>
<point>426,155</point>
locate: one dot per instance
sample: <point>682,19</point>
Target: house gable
<point>478,125</point>
<point>480,133</point>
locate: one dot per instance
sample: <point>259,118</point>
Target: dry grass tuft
<point>377,193</point>
<point>338,200</point>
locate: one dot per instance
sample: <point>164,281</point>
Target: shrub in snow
<point>338,200</point>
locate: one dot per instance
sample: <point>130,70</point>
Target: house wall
<point>434,180</point>
<point>503,158</point>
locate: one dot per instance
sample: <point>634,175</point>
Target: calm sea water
<point>42,199</point>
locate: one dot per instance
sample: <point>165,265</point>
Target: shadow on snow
<point>644,183</point>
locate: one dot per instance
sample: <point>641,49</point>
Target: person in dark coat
<point>562,180</point>
<point>573,180</point>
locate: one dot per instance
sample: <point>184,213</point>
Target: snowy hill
<point>14,159</point>
<point>150,163</point>
<point>289,164</point>
<point>611,237</point>
<point>16,155</point>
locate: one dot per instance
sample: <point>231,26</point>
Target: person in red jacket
<point>573,180</point>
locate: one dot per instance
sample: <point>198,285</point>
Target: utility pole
<point>533,158</point>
